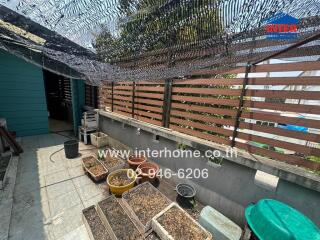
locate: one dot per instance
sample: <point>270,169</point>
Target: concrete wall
<point>22,96</point>
<point>229,188</point>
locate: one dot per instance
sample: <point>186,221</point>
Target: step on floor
<point>117,221</point>
<point>94,225</point>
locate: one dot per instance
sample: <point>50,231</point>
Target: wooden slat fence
<point>206,105</point>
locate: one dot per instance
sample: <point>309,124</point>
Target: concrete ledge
<point>6,197</point>
<point>282,170</point>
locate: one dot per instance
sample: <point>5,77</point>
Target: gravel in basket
<point>174,223</point>
<point>117,221</point>
<point>94,168</point>
<point>112,163</point>
<point>94,225</point>
<point>144,202</point>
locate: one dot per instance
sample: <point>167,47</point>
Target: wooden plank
<point>202,135</point>
<point>298,108</point>
<point>281,119</point>
<point>149,95</point>
<point>148,108</point>
<point>118,92</point>
<point>281,67</point>
<point>213,91</point>
<point>281,144</point>
<point>122,88</point>
<point>150,89</point>
<point>203,118</point>
<point>279,156</point>
<point>225,102</point>
<point>123,113</point>
<point>151,82</point>
<point>308,95</point>
<point>301,81</point>
<point>281,132</point>
<point>148,120</point>
<point>123,98</point>
<point>148,114</point>
<point>148,101</point>
<point>201,126</point>
<point>123,109</point>
<point>221,111</point>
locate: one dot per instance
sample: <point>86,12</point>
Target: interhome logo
<point>282,26</point>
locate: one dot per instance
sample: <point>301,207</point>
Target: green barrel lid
<point>273,220</point>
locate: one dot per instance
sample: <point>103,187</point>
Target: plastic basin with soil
<point>94,168</point>
<point>121,180</point>
<point>144,202</point>
<point>135,160</point>
<point>117,221</point>
<point>94,225</point>
<point>174,223</point>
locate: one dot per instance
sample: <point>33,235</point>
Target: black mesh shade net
<point>112,40</point>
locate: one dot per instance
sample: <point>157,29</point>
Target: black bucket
<point>71,148</point>
<point>186,194</point>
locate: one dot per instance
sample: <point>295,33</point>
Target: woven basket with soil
<point>94,168</point>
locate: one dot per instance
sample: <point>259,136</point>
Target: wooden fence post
<point>240,107</point>
<point>133,98</point>
<point>167,103</point>
<point>112,85</point>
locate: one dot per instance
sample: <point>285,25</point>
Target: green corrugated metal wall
<point>22,96</point>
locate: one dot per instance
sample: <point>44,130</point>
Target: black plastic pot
<point>186,194</point>
<point>71,148</point>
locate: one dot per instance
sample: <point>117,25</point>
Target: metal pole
<point>240,107</point>
<point>112,85</point>
<point>167,103</point>
<point>133,98</point>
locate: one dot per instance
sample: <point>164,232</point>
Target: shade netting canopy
<point>111,40</point>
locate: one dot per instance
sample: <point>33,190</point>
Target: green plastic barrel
<point>273,220</point>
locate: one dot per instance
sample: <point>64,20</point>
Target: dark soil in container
<point>97,170</point>
<point>146,202</point>
<point>89,161</point>
<point>179,226</point>
<point>111,162</point>
<point>121,224</point>
<point>120,179</point>
<point>98,230</point>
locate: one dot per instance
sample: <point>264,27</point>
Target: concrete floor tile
<point>63,202</point>
<point>82,181</point>
<point>78,234</point>
<point>29,181</point>
<point>94,200</point>
<point>67,221</point>
<point>89,191</point>
<point>29,219</point>
<point>33,198</point>
<point>76,171</point>
<point>56,177</point>
<point>58,189</point>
